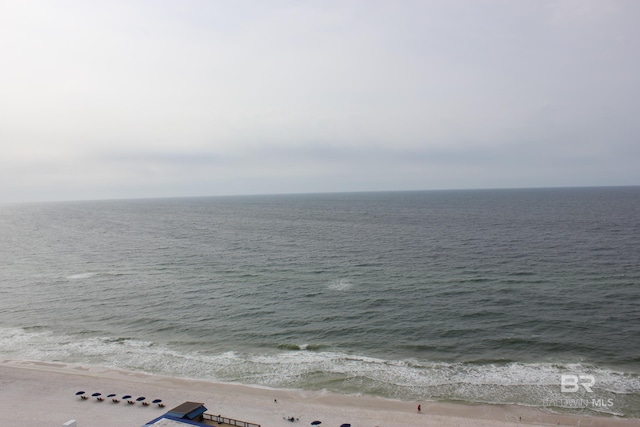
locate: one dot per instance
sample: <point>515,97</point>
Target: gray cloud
<point>132,99</point>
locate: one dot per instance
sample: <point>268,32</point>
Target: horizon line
<point>206,196</point>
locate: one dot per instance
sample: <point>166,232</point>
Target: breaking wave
<point>317,368</point>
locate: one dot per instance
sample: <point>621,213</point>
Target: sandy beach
<point>39,393</point>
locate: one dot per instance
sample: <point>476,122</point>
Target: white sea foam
<point>340,285</point>
<point>80,276</point>
<point>533,384</point>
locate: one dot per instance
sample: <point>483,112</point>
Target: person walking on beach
<point>419,408</point>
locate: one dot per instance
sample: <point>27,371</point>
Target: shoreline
<point>35,392</point>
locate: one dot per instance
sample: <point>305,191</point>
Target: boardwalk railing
<point>224,420</point>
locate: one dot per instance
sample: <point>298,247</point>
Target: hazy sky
<point>120,99</point>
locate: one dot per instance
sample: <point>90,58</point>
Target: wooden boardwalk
<point>219,420</point>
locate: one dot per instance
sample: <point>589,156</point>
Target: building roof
<point>180,416</point>
<point>163,421</point>
<point>187,410</point>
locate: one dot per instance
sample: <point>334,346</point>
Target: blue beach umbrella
<point>111,395</point>
<point>80,393</point>
<point>126,396</point>
<point>96,394</point>
<point>345,425</point>
<point>140,399</point>
<point>157,401</point>
<point>315,423</point>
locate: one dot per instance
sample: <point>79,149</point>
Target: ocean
<point>524,296</point>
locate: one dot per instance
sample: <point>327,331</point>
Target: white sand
<point>43,394</point>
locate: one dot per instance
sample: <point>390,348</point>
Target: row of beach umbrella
<point>126,397</point>
<point>158,402</point>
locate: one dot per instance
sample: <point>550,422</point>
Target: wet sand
<point>40,393</point>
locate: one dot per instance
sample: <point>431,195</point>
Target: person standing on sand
<point>419,408</point>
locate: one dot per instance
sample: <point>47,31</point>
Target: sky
<point>133,99</point>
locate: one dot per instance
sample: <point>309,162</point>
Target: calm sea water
<point>475,296</point>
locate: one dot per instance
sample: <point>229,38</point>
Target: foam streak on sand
<point>40,393</point>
